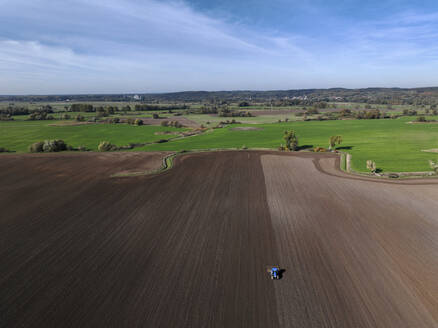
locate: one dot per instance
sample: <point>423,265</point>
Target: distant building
<point>136,97</point>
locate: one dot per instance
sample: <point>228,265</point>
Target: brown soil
<point>357,254</point>
<point>246,128</point>
<point>274,112</point>
<point>435,150</point>
<point>428,122</point>
<point>189,247</point>
<point>257,112</point>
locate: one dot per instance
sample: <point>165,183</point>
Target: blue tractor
<point>274,272</point>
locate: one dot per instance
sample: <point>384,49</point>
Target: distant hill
<point>416,96</point>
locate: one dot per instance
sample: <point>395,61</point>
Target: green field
<point>209,120</point>
<point>17,136</point>
<point>393,144</point>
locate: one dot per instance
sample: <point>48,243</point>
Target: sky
<point>145,46</point>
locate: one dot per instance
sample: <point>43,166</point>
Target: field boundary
<point>404,176</point>
<point>167,164</point>
<point>406,180</point>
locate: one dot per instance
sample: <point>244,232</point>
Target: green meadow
<point>395,145</point>
<point>17,136</point>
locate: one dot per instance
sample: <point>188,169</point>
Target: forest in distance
<point>391,96</point>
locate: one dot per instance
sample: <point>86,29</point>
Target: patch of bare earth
<point>435,150</point>
<point>189,247</point>
<point>356,253</point>
<point>246,128</point>
<point>186,248</point>
<point>85,165</point>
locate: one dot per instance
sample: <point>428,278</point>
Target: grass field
<point>393,144</point>
<point>213,120</point>
<point>17,136</point>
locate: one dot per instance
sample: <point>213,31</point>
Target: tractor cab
<point>274,272</point>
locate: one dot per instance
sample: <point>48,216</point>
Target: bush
<point>434,166</point>
<point>54,146</point>
<point>6,117</point>
<point>106,146</point>
<point>82,108</point>
<point>175,124</point>
<point>231,113</point>
<point>4,150</point>
<point>80,118</point>
<point>155,116</point>
<point>113,120</point>
<point>371,166</point>
<point>36,147</point>
<point>421,119</point>
<point>312,111</point>
<point>40,116</point>
<point>65,117</point>
<point>138,122</point>
<point>409,112</point>
<point>48,146</point>
<point>319,150</point>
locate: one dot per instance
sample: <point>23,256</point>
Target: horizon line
<point>209,91</point>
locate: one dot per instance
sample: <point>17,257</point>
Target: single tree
<point>291,140</point>
<point>371,166</point>
<point>333,141</point>
<point>434,166</point>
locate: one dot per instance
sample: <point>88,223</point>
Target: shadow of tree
<point>303,147</point>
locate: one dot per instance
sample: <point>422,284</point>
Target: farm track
<point>188,247</point>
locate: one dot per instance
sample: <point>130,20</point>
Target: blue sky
<point>120,46</point>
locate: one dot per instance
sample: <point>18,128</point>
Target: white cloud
<point>73,46</point>
<point>157,45</point>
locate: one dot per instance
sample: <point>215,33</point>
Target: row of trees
<point>291,139</point>
<point>48,146</point>
<point>148,107</point>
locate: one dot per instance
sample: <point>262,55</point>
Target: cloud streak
<point>78,46</point>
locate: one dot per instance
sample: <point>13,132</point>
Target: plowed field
<point>189,247</point>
